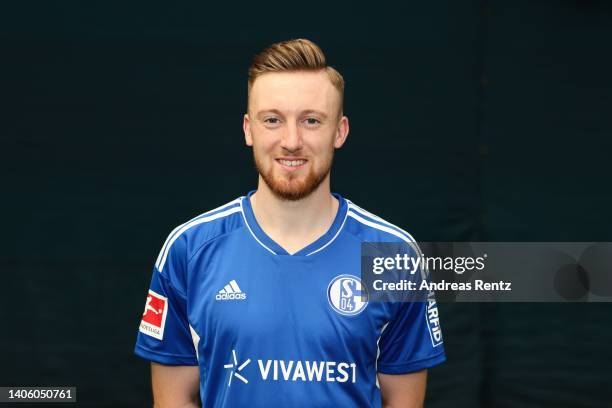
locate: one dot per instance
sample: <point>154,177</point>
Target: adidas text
<point>230,296</point>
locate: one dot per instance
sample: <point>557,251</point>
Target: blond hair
<point>294,55</point>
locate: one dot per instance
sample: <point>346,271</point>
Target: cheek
<point>325,146</point>
<point>262,143</point>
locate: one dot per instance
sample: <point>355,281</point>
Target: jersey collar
<point>268,243</point>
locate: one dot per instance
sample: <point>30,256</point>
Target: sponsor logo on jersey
<point>433,322</point>
<point>154,315</point>
<point>236,368</point>
<point>231,291</point>
<point>294,370</point>
<point>344,294</point>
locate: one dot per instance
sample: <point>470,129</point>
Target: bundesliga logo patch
<point>154,315</point>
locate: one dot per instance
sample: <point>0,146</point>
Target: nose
<point>292,138</point>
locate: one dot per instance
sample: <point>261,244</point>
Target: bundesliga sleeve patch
<point>154,315</point>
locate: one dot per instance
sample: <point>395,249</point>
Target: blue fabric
<point>273,329</point>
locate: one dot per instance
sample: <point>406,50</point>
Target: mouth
<point>291,164</point>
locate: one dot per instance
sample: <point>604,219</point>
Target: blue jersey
<point>270,329</point>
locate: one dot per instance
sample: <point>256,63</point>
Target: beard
<point>291,187</point>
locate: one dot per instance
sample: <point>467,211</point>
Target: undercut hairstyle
<point>292,56</point>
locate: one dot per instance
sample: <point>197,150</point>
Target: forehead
<point>300,90</point>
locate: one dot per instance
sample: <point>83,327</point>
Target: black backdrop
<point>469,121</point>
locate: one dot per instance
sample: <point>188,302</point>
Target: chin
<point>292,190</point>
<point>292,187</point>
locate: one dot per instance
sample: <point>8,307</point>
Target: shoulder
<point>369,227</point>
<point>187,237</point>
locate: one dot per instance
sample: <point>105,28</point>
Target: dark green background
<point>469,121</point>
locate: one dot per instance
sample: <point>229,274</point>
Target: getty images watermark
<point>487,271</point>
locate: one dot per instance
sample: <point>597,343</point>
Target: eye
<point>312,121</point>
<point>272,122</point>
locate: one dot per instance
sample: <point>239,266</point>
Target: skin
<point>403,390</point>
<point>175,386</point>
<point>292,116</point>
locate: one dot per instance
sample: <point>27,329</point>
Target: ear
<point>341,132</point>
<point>246,128</point>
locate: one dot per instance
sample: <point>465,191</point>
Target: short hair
<point>291,56</point>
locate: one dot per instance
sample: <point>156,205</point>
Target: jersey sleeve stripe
<point>378,350</point>
<point>380,227</point>
<point>386,228</point>
<point>196,341</point>
<point>191,224</point>
<point>174,231</point>
<point>375,217</point>
<point>161,253</point>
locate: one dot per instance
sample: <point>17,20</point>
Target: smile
<point>291,163</point>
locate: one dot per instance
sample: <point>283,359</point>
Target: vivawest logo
<point>344,294</point>
<point>231,291</point>
<point>292,370</point>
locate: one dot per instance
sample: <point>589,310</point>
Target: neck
<point>294,224</point>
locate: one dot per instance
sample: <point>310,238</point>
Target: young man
<point>257,303</point>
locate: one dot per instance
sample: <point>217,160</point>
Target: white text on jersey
<point>290,370</point>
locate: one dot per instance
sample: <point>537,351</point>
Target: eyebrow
<point>263,112</point>
<point>277,112</point>
<point>311,111</point>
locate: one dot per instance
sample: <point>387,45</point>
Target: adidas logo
<point>231,291</point>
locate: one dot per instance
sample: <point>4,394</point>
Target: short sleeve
<point>164,334</point>
<point>412,340</point>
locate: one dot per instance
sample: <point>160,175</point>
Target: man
<point>259,300</point>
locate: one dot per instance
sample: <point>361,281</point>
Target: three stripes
<point>235,206</point>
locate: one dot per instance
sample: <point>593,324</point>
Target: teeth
<point>292,163</point>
